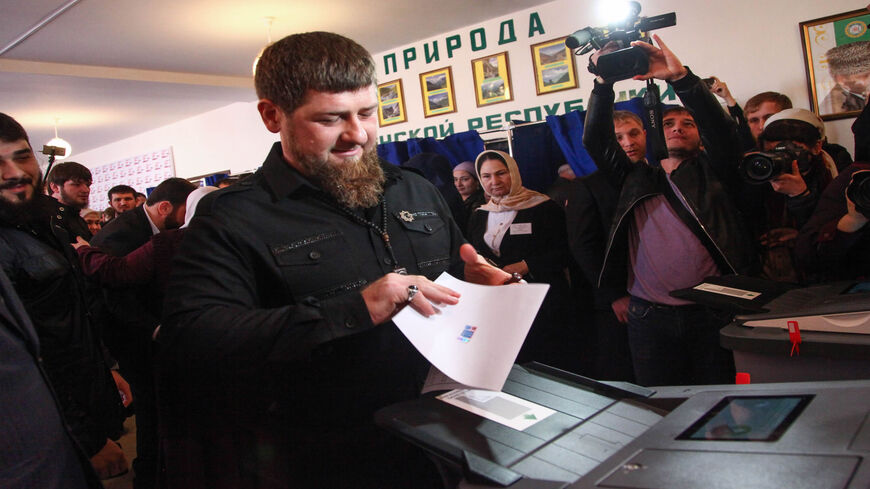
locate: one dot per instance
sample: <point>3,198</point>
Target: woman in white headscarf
<point>523,231</point>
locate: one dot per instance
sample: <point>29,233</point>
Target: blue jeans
<point>678,345</point>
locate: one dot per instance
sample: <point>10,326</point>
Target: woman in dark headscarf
<point>523,231</point>
<point>465,181</point>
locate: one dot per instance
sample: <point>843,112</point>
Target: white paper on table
<point>500,407</point>
<point>476,341</point>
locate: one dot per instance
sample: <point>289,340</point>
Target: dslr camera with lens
<point>762,166</point>
<point>858,192</point>
<point>628,61</point>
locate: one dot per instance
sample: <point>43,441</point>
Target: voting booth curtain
<point>459,147</point>
<point>212,180</point>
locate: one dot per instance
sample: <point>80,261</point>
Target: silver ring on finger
<point>412,291</point>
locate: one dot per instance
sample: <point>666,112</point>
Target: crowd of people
<point>249,328</point>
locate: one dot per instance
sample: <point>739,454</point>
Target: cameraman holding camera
<point>679,222</point>
<point>834,243</point>
<point>792,173</point>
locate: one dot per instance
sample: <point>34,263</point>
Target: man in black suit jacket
<point>130,337</point>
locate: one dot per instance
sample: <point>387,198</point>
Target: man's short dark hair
<point>627,115</point>
<point>138,194</point>
<point>320,61</point>
<point>174,190</point>
<point>676,109</point>
<point>756,100</point>
<point>11,130</point>
<point>69,170</point>
<point>121,189</point>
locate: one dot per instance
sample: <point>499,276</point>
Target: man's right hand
<point>389,294</point>
<point>620,308</point>
<point>109,461</point>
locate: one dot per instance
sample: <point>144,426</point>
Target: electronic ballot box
<point>615,435</point>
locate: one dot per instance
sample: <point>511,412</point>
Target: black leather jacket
<point>43,268</point>
<point>708,182</point>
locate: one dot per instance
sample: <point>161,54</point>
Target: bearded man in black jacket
<point>43,267</point>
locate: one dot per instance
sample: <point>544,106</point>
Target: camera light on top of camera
<point>617,13</point>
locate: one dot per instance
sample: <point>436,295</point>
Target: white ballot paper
<point>476,341</point>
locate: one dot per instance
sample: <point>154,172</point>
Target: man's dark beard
<point>66,199</point>
<point>358,184</point>
<point>14,213</point>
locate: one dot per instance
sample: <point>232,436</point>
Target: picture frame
<point>391,103</point>
<point>437,90</point>
<point>837,84</point>
<point>554,66</point>
<point>492,79</point>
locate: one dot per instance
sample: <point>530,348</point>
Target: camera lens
<point>758,168</point>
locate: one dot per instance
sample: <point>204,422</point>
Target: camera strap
<point>652,102</point>
<point>688,217</point>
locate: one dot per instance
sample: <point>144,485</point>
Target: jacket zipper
<point>612,236</point>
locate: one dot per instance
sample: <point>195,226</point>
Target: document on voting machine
<point>476,341</point>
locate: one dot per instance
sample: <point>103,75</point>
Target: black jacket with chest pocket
<point>265,329</point>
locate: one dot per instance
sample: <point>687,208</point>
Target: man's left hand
<point>791,184</point>
<point>478,271</point>
<point>663,63</point>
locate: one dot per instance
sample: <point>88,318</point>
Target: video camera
<point>759,167</point>
<point>628,61</point>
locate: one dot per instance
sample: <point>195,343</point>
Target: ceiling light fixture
<point>268,21</point>
<point>57,148</point>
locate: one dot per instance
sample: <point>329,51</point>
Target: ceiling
<point>111,69</point>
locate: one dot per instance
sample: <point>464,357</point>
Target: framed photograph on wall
<point>837,56</point>
<point>492,79</point>
<point>391,103</point>
<point>437,89</point>
<point>554,66</point>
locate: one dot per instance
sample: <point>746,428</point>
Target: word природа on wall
<point>453,53</point>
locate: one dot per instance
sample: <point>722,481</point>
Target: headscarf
<point>467,167</point>
<point>192,200</point>
<point>519,197</point>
